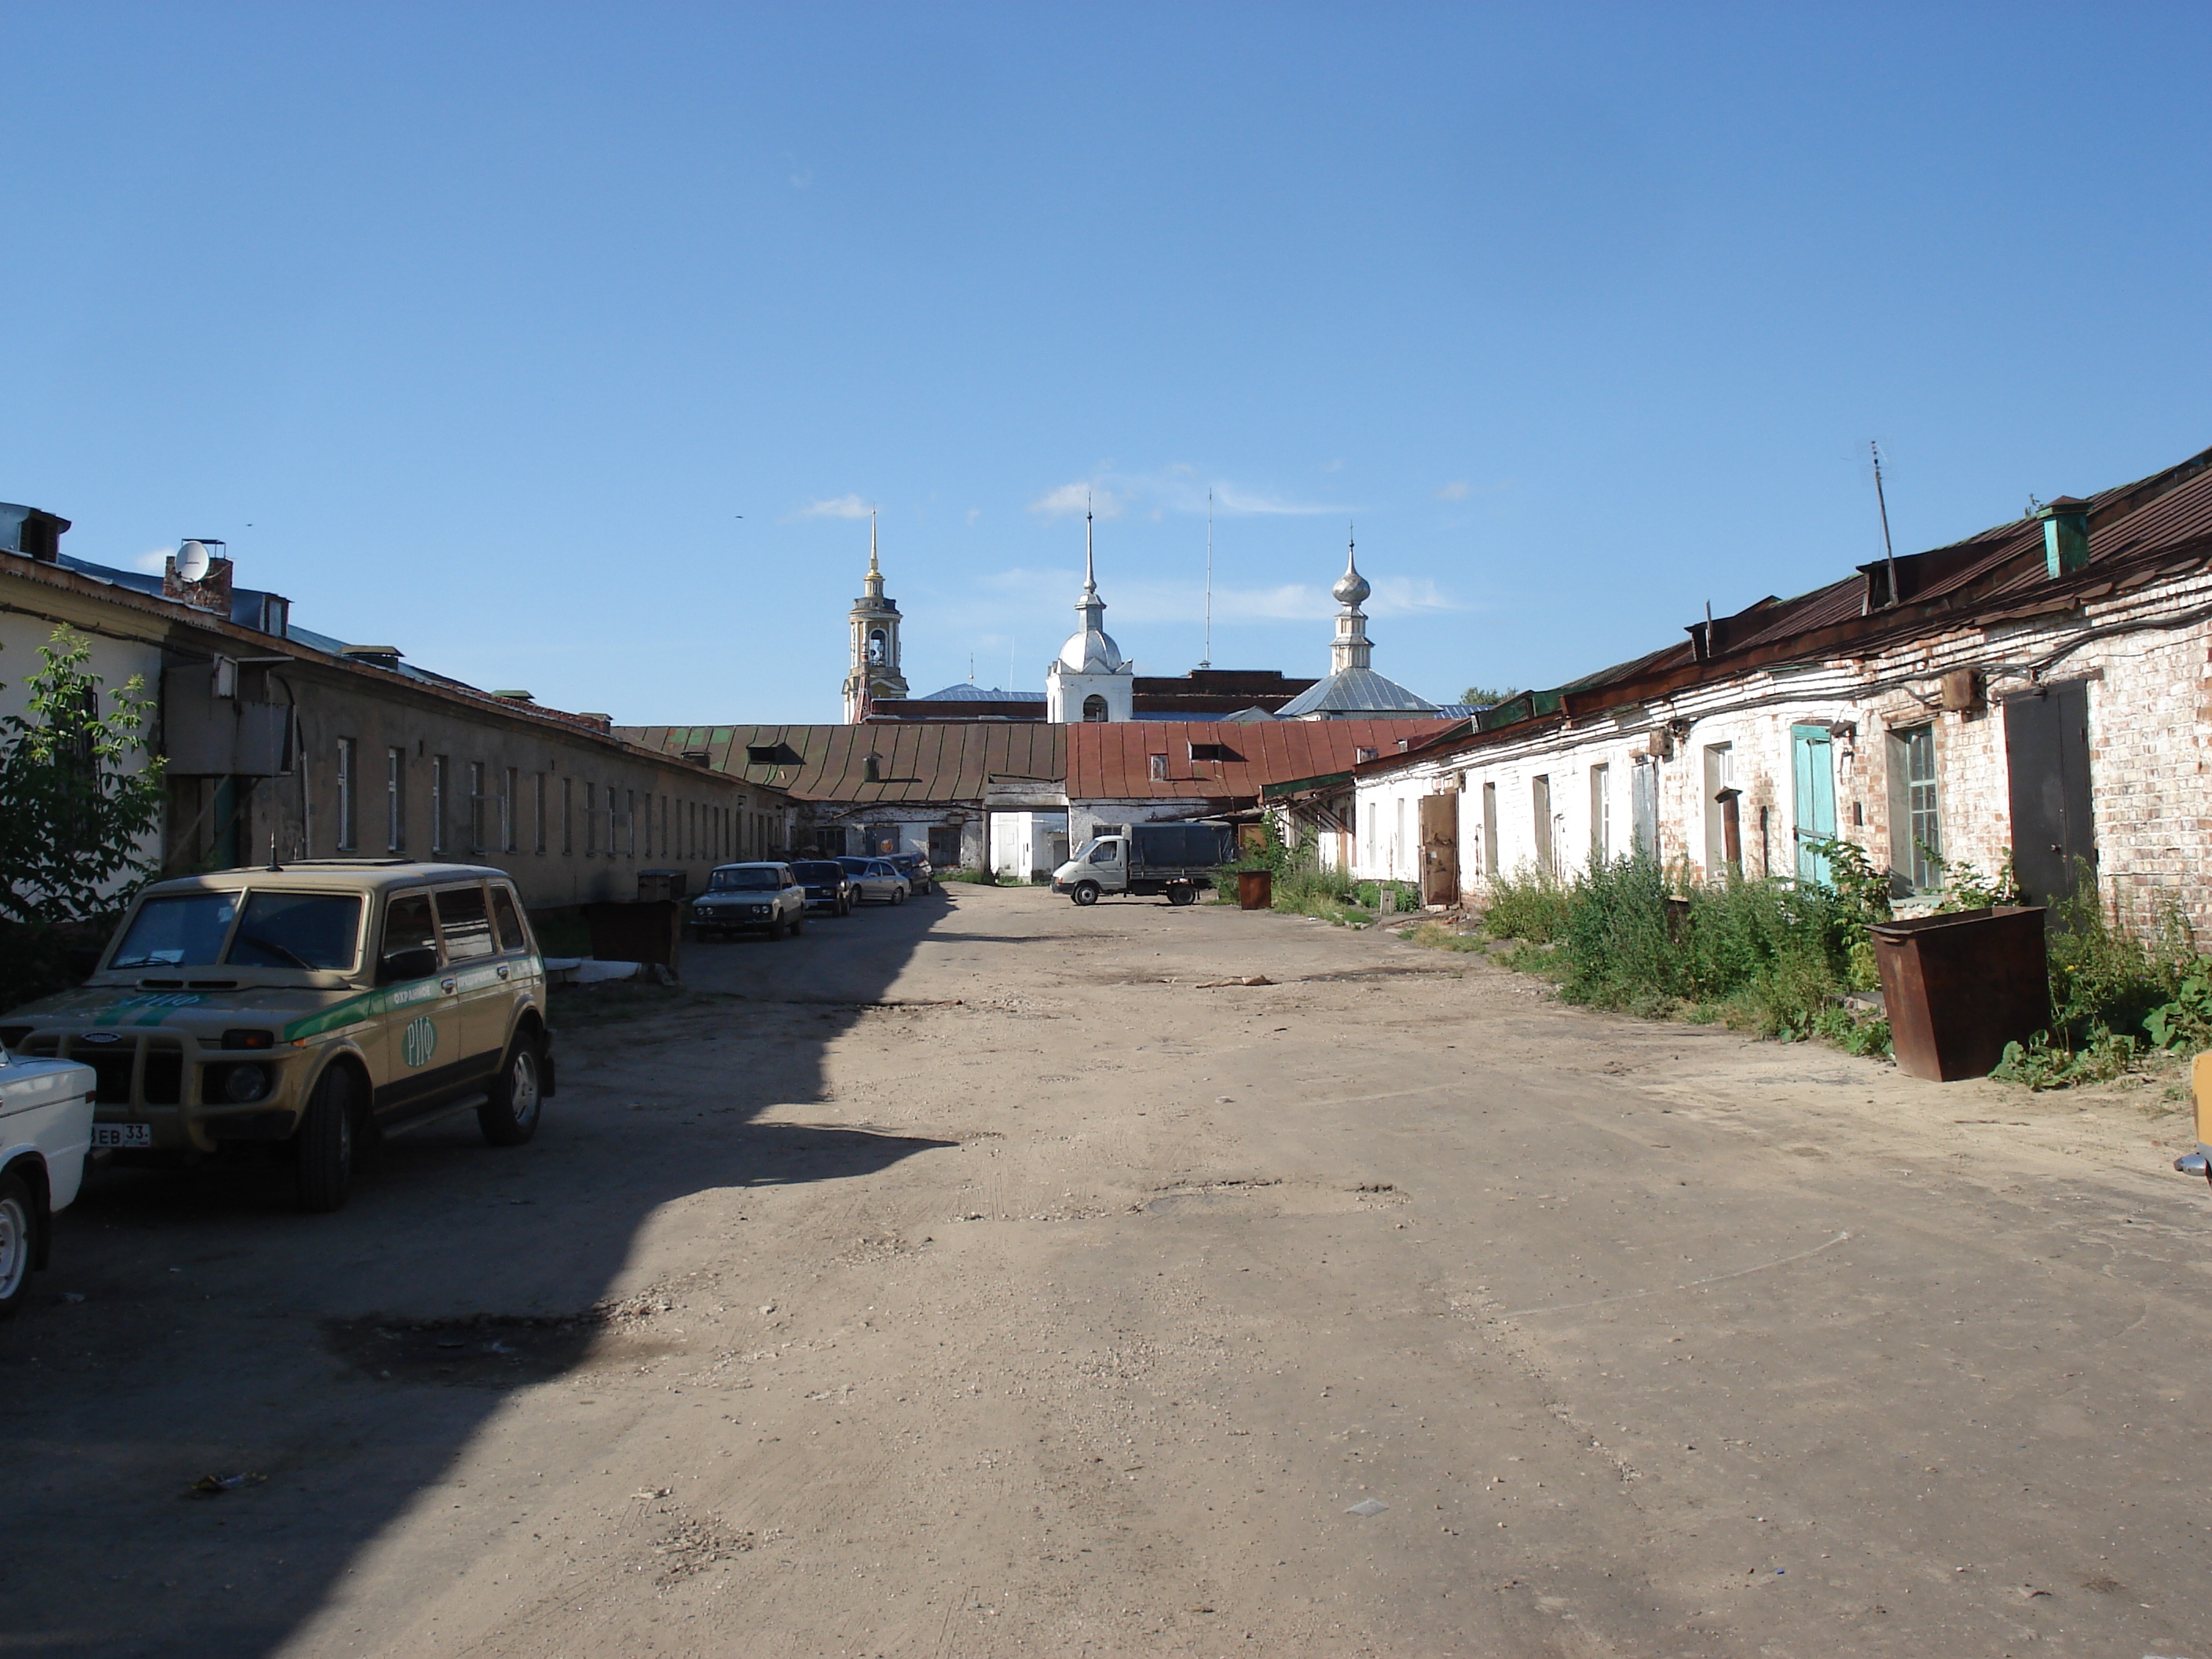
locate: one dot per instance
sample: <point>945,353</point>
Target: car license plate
<point>122,1135</point>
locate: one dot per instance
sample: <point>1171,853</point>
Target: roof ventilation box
<point>34,534</point>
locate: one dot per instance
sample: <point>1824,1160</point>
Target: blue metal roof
<point>968,691</point>
<point>1355,692</point>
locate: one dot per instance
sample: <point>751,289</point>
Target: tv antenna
<point>192,561</point>
<point>1206,661</point>
<point>1888,553</point>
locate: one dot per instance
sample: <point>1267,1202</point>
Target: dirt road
<point>985,1277</point>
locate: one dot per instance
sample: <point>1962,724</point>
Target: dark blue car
<point>828,886</point>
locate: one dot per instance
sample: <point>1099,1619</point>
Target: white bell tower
<point>1090,680</point>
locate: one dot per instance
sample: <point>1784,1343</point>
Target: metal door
<point>2047,758</point>
<point>1811,755</point>
<point>1643,808</point>
<point>1440,849</point>
<point>1540,810</point>
<point>422,1035</point>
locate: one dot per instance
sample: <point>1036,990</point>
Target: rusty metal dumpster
<point>1957,987</point>
<point>650,931</point>
<point>1255,890</point>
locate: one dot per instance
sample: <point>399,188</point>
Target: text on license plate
<point>123,1134</point>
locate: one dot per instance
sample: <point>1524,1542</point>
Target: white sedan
<point>45,1128</point>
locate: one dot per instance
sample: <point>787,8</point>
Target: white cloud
<point>1072,499</point>
<point>974,513</point>
<point>1177,487</point>
<point>1229,498</point>
<point>839,506</point>
<point>1336,465</point>
<point>1456,490</point>
<point>1024,592</point>
<point>156,562</point>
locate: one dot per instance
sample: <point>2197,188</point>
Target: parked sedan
<point>45,1128</point>
<point>921,875</point>
<point>743,896</point>
<point>828,887</point>
<point>877,878</point>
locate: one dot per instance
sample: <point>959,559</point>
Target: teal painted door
<point>1812,762</point>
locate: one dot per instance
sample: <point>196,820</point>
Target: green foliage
<point>1532,904</point>
<point>1482,697</point>
<point>74,804</point>
<point>1964,887</point>
<point>1773,956</point>
<point>2186,1021</point>
<point>979,878</point>
<point>2040,1064</point>
<point>2105,977</point>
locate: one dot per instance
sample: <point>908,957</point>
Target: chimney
<point>33,534</point>
<point>2065,536</point>
<point>376,656</point>
<point>202,580</point>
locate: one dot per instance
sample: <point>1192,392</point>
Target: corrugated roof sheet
<point>917,760</point>
<point>2168,511</point>
<point>1114,760</point>
<point>1357,689</point>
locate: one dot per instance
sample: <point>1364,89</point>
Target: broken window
<point>1159,768</point>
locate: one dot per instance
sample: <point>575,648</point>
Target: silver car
<point>876,878</point>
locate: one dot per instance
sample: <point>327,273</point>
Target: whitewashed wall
<point>2147,656</point>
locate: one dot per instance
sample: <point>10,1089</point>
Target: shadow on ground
<point>213,1403</point>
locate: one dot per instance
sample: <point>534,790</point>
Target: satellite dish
<point>192,561</point>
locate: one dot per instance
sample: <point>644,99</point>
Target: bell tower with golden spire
<point>875,668</point>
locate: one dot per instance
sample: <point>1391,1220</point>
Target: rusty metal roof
<point>916,761</point>
<point>1114,760</point>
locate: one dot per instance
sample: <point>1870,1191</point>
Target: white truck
<point>1174,858</point>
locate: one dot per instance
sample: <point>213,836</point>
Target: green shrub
<point>1532,904</point>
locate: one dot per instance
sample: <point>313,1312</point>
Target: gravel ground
<point>988,1277</point>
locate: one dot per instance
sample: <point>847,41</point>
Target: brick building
<point>2037,692</point>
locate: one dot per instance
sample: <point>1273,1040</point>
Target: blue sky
<point>475,329</point>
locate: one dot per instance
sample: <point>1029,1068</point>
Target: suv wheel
<point>323,1146</point>
<point>509,1115</point>
<point>19,1241</point>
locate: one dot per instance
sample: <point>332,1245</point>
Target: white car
<point>45,1128</point>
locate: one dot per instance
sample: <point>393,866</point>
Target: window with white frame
<point>395,800</point>
<point>347,772</point>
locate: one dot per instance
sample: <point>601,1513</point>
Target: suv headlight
<point>245,1084</point>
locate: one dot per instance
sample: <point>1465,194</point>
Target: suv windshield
<point>279,930</point>
<point>753,879</point>
<point>817,870</point>
<point>187,931</point>
<point>297,930</point>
